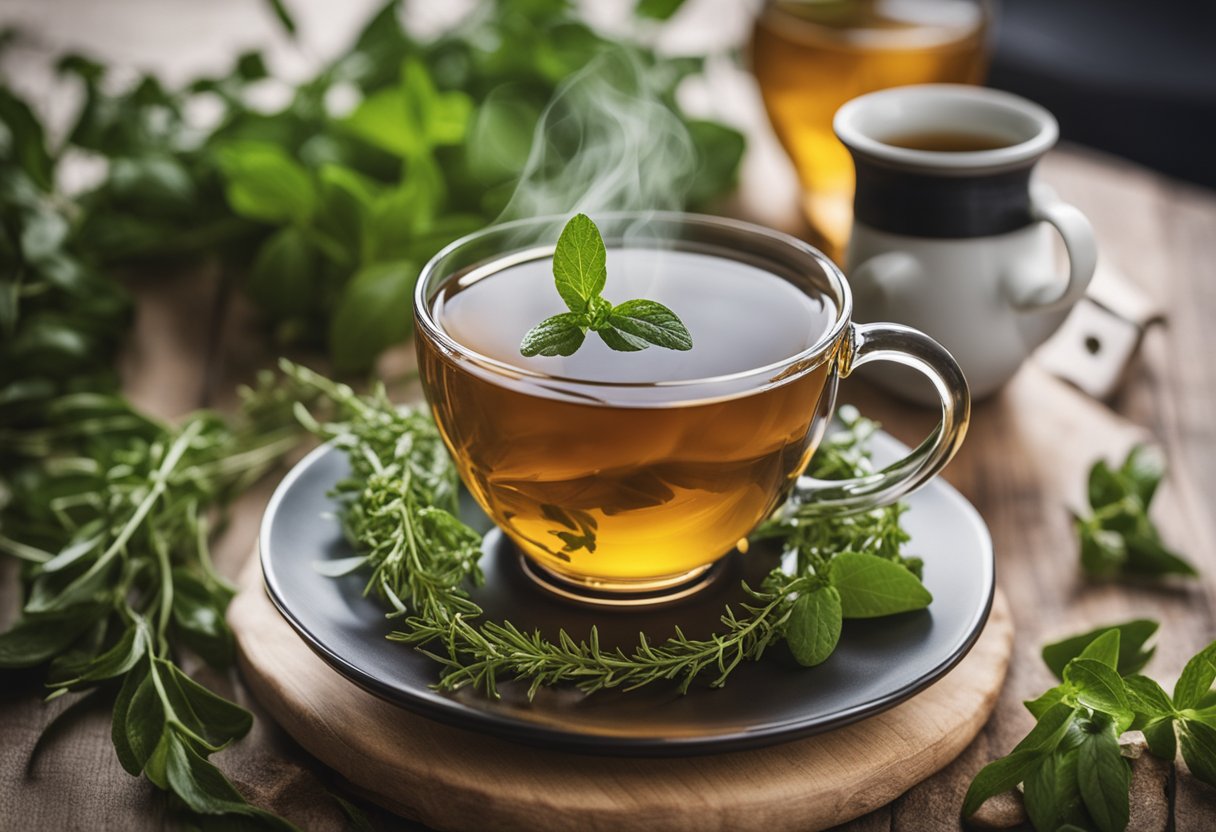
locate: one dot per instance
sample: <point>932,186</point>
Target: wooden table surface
<point>1023,465</point>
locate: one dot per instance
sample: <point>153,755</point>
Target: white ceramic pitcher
<point>957,243</point>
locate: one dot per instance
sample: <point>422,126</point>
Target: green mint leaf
<point>1147,698</point>
<point>657,9</point>
<point>368,317</point>
<point>1051,793</point>
<point>37,639</point>
<point>1049,730</point>
<point>1104,487</point>
<point>1047,701</point>
<point>1001,776</point>
<point>1133,655</point>
<point>1143,470</point>
<point>119,725</point>
<point>1104,649</point>
<point>1161,739</point>
<point>1199,750</point>
<point>1099,687</point>
<point>1104,778</point>
<point>1196,679</point>
<point>871,586</point>
<point>621,341</point>
<point>1146,555</point>
<point>560,335</point>
<point>652,322</point>
<point>1103,552</point>
<point>580,263</point>
<point>814,626</point>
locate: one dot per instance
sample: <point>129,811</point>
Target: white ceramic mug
<point>957,243</point>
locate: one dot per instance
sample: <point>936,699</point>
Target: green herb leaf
<point>1196,679</point>
<point>1051,794</point>
<point>373,313</point>
<point>1144,468</point>
<point>1001,776</point>
<point>1147,697</point>
<point>814,626</point>
<point>871,586</point>
<point>1133,655</point>
<point>1199,750</point>
<point>1099,687</point>
<point>1161,739</point>
<point>580,267</point>
<point>657,9</point>
<point>1104,778</point>
<point>1104,649</point>
<point>651,322</point>
<point>621,341</point>
<point>284,17</point>
<point>264,183</point>
<point>560,335</point>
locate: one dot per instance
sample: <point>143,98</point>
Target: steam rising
<point>606,142</point>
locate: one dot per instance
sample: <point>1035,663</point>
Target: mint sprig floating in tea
<point>1071,765</point>
<point>1118,539</point>
<point>400,510</point>
<point>580,272</point>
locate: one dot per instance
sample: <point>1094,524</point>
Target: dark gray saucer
<point>878,664</point>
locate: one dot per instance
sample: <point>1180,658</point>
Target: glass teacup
<point>639,477</point>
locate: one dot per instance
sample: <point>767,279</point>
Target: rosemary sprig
<point>399,509</point>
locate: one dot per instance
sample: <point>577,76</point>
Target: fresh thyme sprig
<point>399,509</point>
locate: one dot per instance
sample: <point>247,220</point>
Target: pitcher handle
<point>912,348</point>
<point>1078,236</point>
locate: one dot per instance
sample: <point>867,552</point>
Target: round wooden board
<point>452,779</point>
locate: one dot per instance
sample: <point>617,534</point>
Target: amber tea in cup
<point>635,472</point>
<point>811,56</point>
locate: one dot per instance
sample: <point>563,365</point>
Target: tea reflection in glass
<point>811,56</point>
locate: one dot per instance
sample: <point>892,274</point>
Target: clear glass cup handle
<point>912,348</point>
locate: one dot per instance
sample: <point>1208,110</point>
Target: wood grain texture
<point>459,780</point>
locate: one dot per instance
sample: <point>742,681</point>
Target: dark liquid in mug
<point>615,489</point>
<point>948,141</point>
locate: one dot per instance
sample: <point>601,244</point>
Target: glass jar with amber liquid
<point>811,56</point>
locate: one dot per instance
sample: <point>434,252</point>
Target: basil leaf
<point>813,629</point>
<point>871,586</point>
<point>1103,552</point>
<point>1146,555</point>
<point>144,723</point>
<point>1001,776</point>
<point>1147,697</point>
<point>264,183</point>
<point>1133,655</point>
<point>205,789</point>
<point>652,322</point>
<point>1161,739</point>
<point>283,277</point>
<point>1104,487</point>
<point>372,314</point>
<point>35,639</point>
<point>1104,778</point>
<point>119,659</point>
<point>1049,730</point>
<point>22,140</point>
<point>198,619</point>
<point>1199,750</point>
<point>1099,687</point>
<point>1144,469</point>
<point>1196,679</point>
<point>580,266</point>
<point>1051,793</point>
<point>560,335</point>
<point>119,721</point>
<point>657,9</point>
<point>1104,649</point>
<point>1046,701</point>
<point>211,717</point>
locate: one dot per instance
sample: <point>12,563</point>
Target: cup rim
<point>848,130</point>
<point>773,373</point>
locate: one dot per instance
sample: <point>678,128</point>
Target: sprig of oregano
<point>1118,539</point>
<point>580,271</point>
<point>399,508</point>
<point>113,523</point>
<point>1070,765</point>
